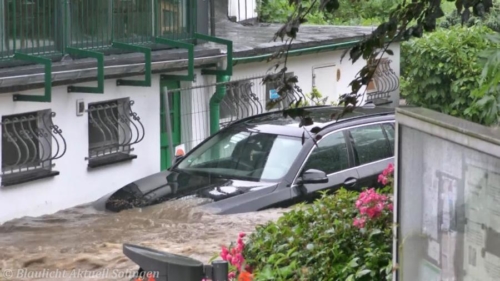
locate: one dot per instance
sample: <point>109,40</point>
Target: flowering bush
<point>373,206</point>
<point>346,236</point>
<point>234,256</point>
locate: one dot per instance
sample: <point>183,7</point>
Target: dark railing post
<point>220,270</point>
<point>212,18</point>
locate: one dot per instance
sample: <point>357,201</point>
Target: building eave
<point>22,78</point>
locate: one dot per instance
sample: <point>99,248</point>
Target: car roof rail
<point>242,120</point>
<point>355,118</point>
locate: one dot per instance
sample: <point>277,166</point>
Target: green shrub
<point>320,243</point>
<point>490,20</point>
<point>441,70</point>
<point>350,12</point>
<point>345,236</point>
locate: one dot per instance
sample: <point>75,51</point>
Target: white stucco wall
<point>302,66</point>
<point>76,184</point>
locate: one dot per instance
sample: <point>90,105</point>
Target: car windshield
<point>242,154</point>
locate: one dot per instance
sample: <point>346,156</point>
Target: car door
<point>330,155</point>
<point>372,151</point>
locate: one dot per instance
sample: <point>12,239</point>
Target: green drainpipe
<point>215,100</point>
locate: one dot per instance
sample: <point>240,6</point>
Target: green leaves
<point>329,6</point>
<point>442,72</point>
<point>318,242</point>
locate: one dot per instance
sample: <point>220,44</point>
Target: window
<point>173,16</point>
<point>113,129</point>
<point>238,101</point>
<point>241,154</point>
<point>30,142</point>
<point>389,130</point>
<point>330,155</point>
<point>369,144</point>
<point>383,83</point>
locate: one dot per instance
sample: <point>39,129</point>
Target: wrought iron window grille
<point>113,129</point>
<point>242,100</point>
<point>30,142</point>
<point>239,102</point>
<point>384,81</point>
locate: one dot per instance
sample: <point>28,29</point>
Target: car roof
<point>276,123</point>
<point>322,116</point>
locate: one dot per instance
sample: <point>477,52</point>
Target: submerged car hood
<point>170,185</point>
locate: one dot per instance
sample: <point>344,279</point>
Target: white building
<point>80,131</point>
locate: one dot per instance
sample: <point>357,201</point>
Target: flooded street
<point>84,239</point>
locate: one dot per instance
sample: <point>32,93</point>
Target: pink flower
<point>390,206</point>
<point>382,179</point>
<point>224,253</point>
<point>390,168</point>
<point>242,234</point>
<point>231,275</point>
<point>371,212</point>
<point>359,222</point>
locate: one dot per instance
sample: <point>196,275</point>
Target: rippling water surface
<point>81,239</point>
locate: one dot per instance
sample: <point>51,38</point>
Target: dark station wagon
<point>268,161</point>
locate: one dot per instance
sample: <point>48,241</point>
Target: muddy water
<point>83,244</point>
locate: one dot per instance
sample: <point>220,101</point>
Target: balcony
<point>47,27</point>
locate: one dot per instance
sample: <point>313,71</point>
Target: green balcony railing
<point>47,27</point>
<point>30,27</point>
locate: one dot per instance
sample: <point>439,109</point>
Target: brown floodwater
<point>83,244</point>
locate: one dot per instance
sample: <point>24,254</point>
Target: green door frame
<point>175,115</point>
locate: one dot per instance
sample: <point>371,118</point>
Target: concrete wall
<point>448,198</point>
<point>76,184</point>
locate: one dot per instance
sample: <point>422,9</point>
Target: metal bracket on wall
<point>147,65</point>
<point>190,48</point>
<point>100,71</point>
<point>229,45</point>
<point>47,97</point>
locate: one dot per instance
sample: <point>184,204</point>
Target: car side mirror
<point>312,176</point>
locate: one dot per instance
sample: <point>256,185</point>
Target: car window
<point>330,155</point>
<point>369,144</point>
<point>240,154</point>
<point>389,129</point>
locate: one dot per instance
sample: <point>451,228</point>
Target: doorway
<point>174,101</point>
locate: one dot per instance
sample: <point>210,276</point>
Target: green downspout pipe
<point>215,100</point>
